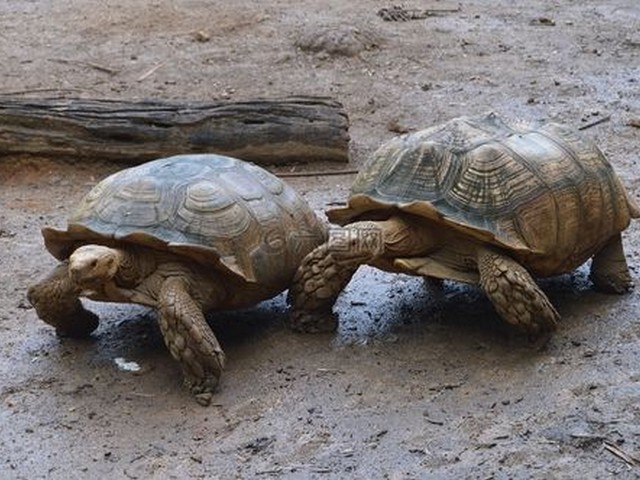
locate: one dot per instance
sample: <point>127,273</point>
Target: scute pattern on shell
<point>215,209</point>
<point>541,191</point>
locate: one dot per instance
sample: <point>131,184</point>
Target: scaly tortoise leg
<point>315,288</point>
<point>56,301</point>
<point>326,270</point>
<point>515,295</point>
<point>189,339</point>
<point>609,270</point>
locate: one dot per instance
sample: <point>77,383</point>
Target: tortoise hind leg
<point>609,270</point>
<point>56,301</point>
<point>189,339</point>
<point>515,295</point>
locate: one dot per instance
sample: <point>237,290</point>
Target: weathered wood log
<point>296,129</point>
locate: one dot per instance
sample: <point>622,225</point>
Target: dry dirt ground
<point>409,387</point>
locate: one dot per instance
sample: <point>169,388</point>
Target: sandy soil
<point>410,386</point>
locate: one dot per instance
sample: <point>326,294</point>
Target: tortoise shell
<point>539,191</point>
<point>219,211</point>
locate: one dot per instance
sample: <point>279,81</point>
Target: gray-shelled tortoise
<point>185,235</point>
<point>480,200</point>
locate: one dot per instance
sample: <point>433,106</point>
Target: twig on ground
<point>321,470</point>
<point>433,422</point>
<point>329,370</point>
<point>142,395</point>
<point>628,459</point>
<point>95,66</point>
<point>149,72</point>
<point>271,471</point>
<point>595,122</point>
<point>39,90</point>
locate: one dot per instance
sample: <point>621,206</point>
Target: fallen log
<point>296,129</point>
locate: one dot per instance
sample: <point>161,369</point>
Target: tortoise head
<point>92,265</point>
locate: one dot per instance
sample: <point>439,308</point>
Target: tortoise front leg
<point>609,270</point>
<point>515,295</point>
<point>316,286</point>
<point>189,339</point>
<point>326,270</point>
<point>56,301</point>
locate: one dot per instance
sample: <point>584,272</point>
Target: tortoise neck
<point>134,265</point>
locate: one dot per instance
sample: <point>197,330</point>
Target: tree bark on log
<point>296,129</point>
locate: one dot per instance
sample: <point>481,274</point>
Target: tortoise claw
<point>204,399</point>
<point>202,389</point>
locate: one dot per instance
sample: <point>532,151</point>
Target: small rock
<point>259,444</point>
<point>395,126</point>
<point>201,36</point>
<point>546,21</point>
<point>346,41</point>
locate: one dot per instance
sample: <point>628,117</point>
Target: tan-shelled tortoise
<point>480,200</point>
<point>185,235</point>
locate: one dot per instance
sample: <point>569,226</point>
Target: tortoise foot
<point>609,270</point>
<point>613,282</point>
<point>515,295</point>
<point>203,388</point>
<point>190,340</point>
<point>202,376</point>
<point>536,316</point>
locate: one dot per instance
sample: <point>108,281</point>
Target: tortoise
<point>482,200</point>
<point>184,234</point>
